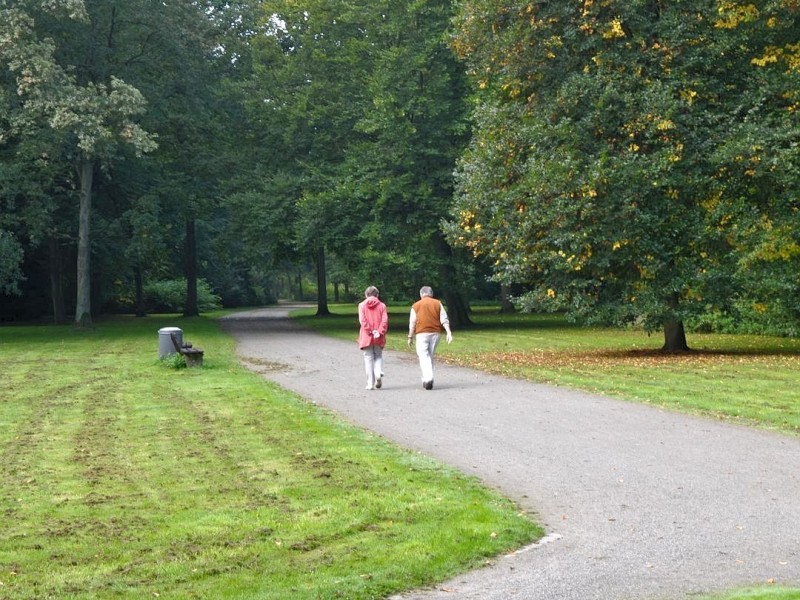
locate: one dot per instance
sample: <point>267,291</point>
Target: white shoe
<point>369,387</point>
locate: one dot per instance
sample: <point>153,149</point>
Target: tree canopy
<point>624,162</point>
<point>622,149</point>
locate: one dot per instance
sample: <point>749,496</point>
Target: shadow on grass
<point>492,321</point>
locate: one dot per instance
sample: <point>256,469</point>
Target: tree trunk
<point>322,285</point>
<point>457,310</point>
<point>506,306</point>
<point>138,284</point>
<point>83,306</point>
<point>300,286</point>
<point>674,337</point>
<point>674,333</point>
<point>56,288</point>
<point>191,309</point>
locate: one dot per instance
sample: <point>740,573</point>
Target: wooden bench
<point>192,356</point>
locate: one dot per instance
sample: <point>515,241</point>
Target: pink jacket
<point>372,316</point>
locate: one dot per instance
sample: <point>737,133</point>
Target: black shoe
<point>428,385</point>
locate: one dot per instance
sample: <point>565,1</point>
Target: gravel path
<point>638,503</point>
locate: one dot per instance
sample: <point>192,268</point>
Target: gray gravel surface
<point>638,503</point>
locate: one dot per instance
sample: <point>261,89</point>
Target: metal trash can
<point>165,345</point>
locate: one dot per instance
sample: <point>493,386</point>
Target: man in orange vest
<point>426,321</point>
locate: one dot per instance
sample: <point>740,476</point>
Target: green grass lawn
<point>121,476</point>
<point>764,593</point>
<point>749,379</point>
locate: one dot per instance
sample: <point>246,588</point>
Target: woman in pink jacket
<point>374,322</point>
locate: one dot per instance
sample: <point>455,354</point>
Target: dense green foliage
<point>169,296</point>
<point>621,161</point>
<point>96,84</point>
<point>322,133</point>
<point>365,106</point>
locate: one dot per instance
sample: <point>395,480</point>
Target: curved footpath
<point>638,503</point>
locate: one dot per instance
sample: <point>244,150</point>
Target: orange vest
<point>428,312</point>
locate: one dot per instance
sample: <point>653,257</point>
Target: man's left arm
<point>445,322</point>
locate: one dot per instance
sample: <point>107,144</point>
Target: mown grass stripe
<point>210,482</point>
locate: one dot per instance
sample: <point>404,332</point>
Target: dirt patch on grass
<point>263,366</point>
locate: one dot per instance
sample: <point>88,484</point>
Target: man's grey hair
<point>425,290</point>
<point>371,291</point>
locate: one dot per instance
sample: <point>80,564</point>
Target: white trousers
<point>373,363</point>
<point>426,348</point>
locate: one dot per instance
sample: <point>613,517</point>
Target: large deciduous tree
<point>757,157</point>
<point>595,175</point>
<point>83,69</point>
<point>309,75</point>
<point>370,101</point>
<point>71,92</point>
<point>401,170</point>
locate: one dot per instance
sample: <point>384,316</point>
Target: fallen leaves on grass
<point>637,358</point>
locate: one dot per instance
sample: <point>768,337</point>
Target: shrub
<point>170,296</point>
